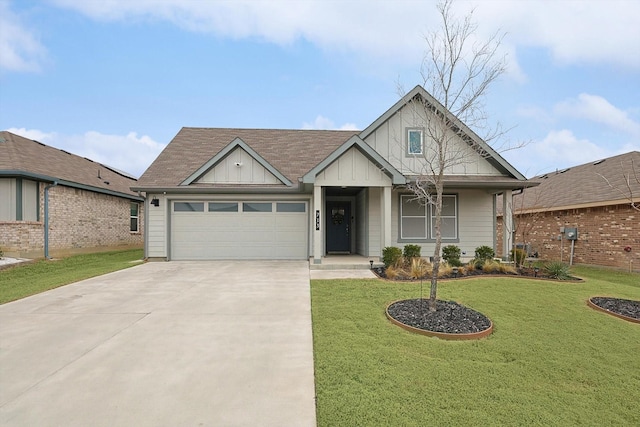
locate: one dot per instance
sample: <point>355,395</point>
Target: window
<point>223,207</point>
<point>413,218</point>
<point>134,217</point>
<point>290,207</point>
<point>188,207</point>
<point>257,207</point>
<point>416,219</point>
<point>449,226</point>
<point>414,141</point>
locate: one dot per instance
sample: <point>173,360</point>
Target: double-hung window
<point>134,217</point>
<point>417,221</point>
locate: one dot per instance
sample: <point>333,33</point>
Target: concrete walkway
<point>163,344</point>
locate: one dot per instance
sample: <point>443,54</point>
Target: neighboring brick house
<point>596,198</point>
<point>88,206</point>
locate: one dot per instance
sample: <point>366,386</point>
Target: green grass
<point>42,275</point>
<point>551,360</point>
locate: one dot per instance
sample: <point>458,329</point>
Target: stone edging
<point>604,310</point>
<point>441,335</point>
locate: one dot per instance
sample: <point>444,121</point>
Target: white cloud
<point>324,123</point>
<point>575,31</point>
<point>130,153</point>
<point>598,109</point>
<point>19,48</point>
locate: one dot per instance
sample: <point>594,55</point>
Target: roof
<point>22,157</point>
<point>292,152</point>
<point>584,186</point>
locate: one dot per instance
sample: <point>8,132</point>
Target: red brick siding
<point>78,220</point>
<point>603,233</point>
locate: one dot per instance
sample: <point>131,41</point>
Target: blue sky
<point>115,80</point>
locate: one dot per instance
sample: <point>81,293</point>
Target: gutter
<point>46,218</point>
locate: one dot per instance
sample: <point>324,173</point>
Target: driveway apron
<point>224,343</point>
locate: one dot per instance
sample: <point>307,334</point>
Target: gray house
<point>299,194</point>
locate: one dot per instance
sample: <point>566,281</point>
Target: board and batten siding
<point>239,167</point>
<point>390,141</point>
<point>475,222</point>
<point>352,168</point>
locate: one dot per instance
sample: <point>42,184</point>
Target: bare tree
<point>457,71</point>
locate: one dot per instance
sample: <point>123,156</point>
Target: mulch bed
<point>521,272</point>
<point>449,317</point>
<point>623,307</point>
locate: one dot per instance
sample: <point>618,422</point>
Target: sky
<point>115,80</point>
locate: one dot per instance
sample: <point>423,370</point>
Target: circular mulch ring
<point>450,321</point>
<point>626,309</point>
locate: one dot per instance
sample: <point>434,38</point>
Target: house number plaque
<point>317,220</point>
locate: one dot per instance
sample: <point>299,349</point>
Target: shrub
<point>451,255</point>
<point>557,270</point>
<point>490,266</point>
<point>519,255</point>
<point>419,268</point>
<point>1,253</point>
<point>411,251</point>
<point>391,272</point>
<point>484,253</point>
<point>391,255</point>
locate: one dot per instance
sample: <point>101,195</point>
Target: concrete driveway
<point>163,344</point>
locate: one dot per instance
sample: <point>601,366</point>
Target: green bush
<point>484,253</point>
<point>558,270</point>
<point>391,255</point>
<point>519,255</point>
<point>411,251</point>
<point>451,255</point>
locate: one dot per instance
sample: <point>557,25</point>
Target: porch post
<point>507,223</point>
<point>318,227</point>
<point>386,217</point>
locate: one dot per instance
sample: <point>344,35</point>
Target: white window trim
<point>432,218</point>
<point>408,133</point>
<point>404,197</point>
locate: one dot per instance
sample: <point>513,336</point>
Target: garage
<point>218,230</point>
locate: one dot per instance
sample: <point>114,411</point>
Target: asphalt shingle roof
<point>584,185</point>
<point>22,155</point>
<point>292,152</point>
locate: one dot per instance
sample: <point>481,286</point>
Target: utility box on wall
<point>571,233</point>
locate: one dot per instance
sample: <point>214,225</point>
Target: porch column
<point>386,217</point>
<point>507,223</point>
<point>317,224</point>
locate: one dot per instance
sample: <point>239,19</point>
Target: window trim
<point>404,197</point>
<point>408,132</point>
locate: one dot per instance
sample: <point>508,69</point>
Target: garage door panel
<point>239,235</point>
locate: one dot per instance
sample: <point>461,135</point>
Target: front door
<point>338,227</point>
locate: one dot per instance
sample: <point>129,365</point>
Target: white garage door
<point>209,230</point>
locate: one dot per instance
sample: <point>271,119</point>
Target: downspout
<point>46,219</point>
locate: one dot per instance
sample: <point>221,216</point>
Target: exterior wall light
<point>155,201</point>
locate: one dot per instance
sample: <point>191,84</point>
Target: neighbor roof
<point>292,152</point>
<point>596,183</point>
<point>22,157</point>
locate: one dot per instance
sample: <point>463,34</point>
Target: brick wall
<point>603,233</point>
<point>78,220</point>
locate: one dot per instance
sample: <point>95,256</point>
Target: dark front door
<point>338,227</point>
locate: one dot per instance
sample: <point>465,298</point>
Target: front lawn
<point>551,360</point>
<point>42,275</point>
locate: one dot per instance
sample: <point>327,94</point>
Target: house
<point>300,194</point>
<point>594,201</point>
<point>53,202</point>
